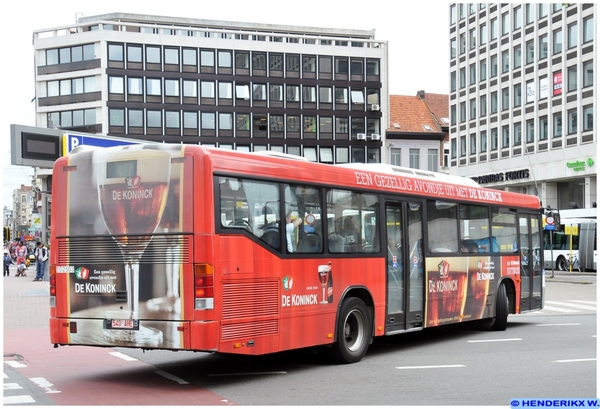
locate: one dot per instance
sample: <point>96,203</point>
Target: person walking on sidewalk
<point>7,263</point>
<point>41,256</point>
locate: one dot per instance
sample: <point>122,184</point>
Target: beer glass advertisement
<point>125,247</point>
<point>463,288</point>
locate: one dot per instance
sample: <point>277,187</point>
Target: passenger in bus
<point>290,226</point>
<point>469,246</point>
<point>350,232</point>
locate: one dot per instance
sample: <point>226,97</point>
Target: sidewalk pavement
<point>26,302</point>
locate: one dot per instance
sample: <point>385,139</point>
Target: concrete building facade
<point>523,98</point>
<point>315,92</point>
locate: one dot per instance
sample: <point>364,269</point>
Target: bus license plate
<point>122,324</point>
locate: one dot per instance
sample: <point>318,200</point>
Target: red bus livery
<point>184,247</point>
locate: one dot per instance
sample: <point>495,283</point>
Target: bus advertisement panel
<point>184,247</point>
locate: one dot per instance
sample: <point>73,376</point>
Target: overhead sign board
<point>72,140</point>
<point>33,146</point>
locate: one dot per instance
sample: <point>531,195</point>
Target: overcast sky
<point>417,35</point>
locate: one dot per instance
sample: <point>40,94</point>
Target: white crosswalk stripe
<point>13,393</point>
<point>569,306</point>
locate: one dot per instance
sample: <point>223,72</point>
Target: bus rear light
<point>52,289</point>
<point>203,287</point>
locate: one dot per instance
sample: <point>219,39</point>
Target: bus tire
<point>502,309</point>
<point>561,264</point>
<point>353,331</point>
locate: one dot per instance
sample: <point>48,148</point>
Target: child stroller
<point>21,267</point>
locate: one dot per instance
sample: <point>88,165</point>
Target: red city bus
<point>185,247</point>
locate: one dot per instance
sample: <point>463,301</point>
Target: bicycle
<point>568,263</point>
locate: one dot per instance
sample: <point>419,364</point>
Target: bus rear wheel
<point>353,331</point>
<point>502,309</point>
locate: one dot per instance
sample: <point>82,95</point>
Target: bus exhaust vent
<point>162,249</point>
<point>250,299</point>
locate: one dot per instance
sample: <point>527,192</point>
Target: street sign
<point>72,140</point>
<point>549,223</point>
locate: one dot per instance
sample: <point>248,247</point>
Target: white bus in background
<point>564,246</point>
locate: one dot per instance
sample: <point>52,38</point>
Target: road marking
<point>566,304</point>
<point>15,364</point>
<point>44,384</point>
<point>12,400</point>
<point>249,373</point>
<point>497,340</point>
<point>558,325</point>
<point>431,366</point>
<point>12,386</point>
<point>172,377</point>
<point>557,309</point>
<point>576,360</point>
<point>123,356</point>
<point>583,302</point>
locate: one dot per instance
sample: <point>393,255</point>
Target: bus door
<point>531,267</point>
<point>404,266</point>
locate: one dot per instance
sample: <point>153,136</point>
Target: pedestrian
<point>41,256</point>
<point>7,263</point>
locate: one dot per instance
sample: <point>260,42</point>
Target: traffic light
<point>6,231</point>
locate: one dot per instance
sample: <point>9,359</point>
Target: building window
<point>341,95</point>
<point>207,120</point>
<point>530,53</point>
<point>493,29</point>
<point>529,13</point>
<point>225,121</point>
<point>341,125</point>
<point>373,67</point>
<point>472,74</point>
<point>325,95</point>
<point>453,115</point>
<point>517,18</point>
<point>473,144</point>
<point>517,57</point>
<point>276,62</point>
<point>207,89</point>
<point>224,58</point>
<point>116,117</point>
<point>557,131</point>
<point>530,128</point>
<point>293,123</point>
<point>326,65</point>
<point>462,44</point>
<point>543,47</point>
<point>572,121</point>
<point>472,39</point>
<point>135,118</point>
<point>225,90</point>
<point>572,78</point>
<point>172,119</point>
<point>543,128</point>
<point>207,58</point>
<point>153,55</point>
<point>242,60</point>
<point>190,56</point>
<point>154,119</point>
<point>292,93</point>
<point>453,152</point>
<point>463,146</point>
<point>325,124</point>
<point>463,112</point>
<point>453,48</point>
<point>356,67</point>
<point>494,139</point>
<point>505,24</point>
<point>309,94</point>
<point>483,70</point>
<point>483,105</point>
<point>505,137</point>
<point>463,78</point>
<point>493,66</point>
<point>572,34</point>
<point>242,91</point>
<point>259,61</point>
<point>259,92</point>
<point>395,154</point>
<point>517,134</point>
<point>433,162</point>
<point>543,10</point>
<point>588,74</point>
<point>275,92</point>
<point>171,88</point>
<point>413,158</point>
<point>505,61</point>
<point>505,99</point>
<point>517,95</point>
<point>483,141</point>
<point>472,109</point>
<point>557,42</point>
<point>453,14</point>
<point>115,53</point>
<point>242,122</point>
<point>483,34</point>
<point>494,102</point>
<point>588,118</point>
<point>190,89</point>
<point>588,29</point>
<point>190,120</point>
<point>153,87</point>
<point>134,53</point>
<point>172,56</point>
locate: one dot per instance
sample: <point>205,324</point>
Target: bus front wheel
<point>353,331</point>
<point>561,264</point>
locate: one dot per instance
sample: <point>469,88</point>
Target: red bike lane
<point>79,375</point>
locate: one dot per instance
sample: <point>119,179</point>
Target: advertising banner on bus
<point>128,268</point>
